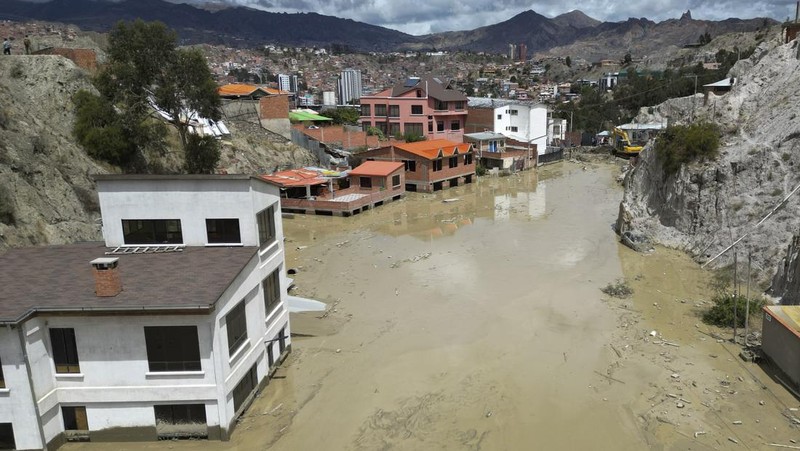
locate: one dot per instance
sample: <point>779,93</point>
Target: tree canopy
<point>146,69</point>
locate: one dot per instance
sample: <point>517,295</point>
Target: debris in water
<point>452,199</point>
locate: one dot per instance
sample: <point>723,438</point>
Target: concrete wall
<point>782,346</point>
<point>16,400</point>
<point>190,200</point>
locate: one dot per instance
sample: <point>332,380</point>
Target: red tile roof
<point>244,89</point>
<point>295,177</point>
<point>430,149</point>
<point>377,168</point>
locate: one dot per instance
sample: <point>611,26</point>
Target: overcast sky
<point>430,16</point>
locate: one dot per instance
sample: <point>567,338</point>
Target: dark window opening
<point>74,418</point>
<point>414,128</point>
<point>152,231</point>
<point>179,414</point>
<point>440,105</point>
<point>455,125</point>
<point>272,291</point>
<point>65,350</point>
<point>499,116</point>
<point>453,162</point>
<point>223,231</point>
<point>172,348</point>
<point>468,159</point>
<point>365,110</point>
<point>410,165</point>
<point>380,110</point>
<point>394,110</point>
<point>2,378</point>
<point>266,226</point>
<point>7,436</point>
<point>437,165</point>
<point>416,109</point>
<point>430,127</point>
<point>243,389</point>
<point>439,126</point>
<point>365,182</point>
<point>460,105</point>
<point>236,324</point>
<point>282,340</point>
<point>394,129</point>
<point>396,181</point>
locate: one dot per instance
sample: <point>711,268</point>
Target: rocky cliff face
<point>706,206</point>
<point>47,194</point>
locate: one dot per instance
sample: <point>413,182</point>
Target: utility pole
<point>735,290</point>
<point>747,309</point>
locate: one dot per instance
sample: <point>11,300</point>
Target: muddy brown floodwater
<point>479,324</point>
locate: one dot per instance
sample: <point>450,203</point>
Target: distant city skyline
<point>433,16</point>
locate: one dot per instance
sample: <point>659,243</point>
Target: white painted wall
<point>192,200</point>
<point>530,120</point>
<point>16,401</point>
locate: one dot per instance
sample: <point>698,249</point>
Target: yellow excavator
<point>623,145</point>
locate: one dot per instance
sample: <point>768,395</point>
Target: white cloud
<point>431,16</point>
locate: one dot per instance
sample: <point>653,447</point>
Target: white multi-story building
<point>166,329</point>
<point>525,122</point>
<point>287,83</point>
<point>349,86</point>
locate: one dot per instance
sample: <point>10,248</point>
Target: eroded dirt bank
<point>479,324</point>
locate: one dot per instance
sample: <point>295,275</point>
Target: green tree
<point>627,59</point>
<point>568,62</point>
<point>202,154</point>
<point>343,115</point>
<point>145,68</point>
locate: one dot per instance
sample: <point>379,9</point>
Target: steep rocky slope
<point>706,206</point>
<point>47,193</point>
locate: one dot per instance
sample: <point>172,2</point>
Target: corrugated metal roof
<point>484,136</point>
<point>377,168</point>
<point>488,102</point>
<point>300,116</point>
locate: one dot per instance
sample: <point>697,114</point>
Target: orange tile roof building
<point>429,165</point>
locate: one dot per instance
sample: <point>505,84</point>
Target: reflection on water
<point>521,196</point>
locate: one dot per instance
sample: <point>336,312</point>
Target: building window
<point>2,378</point>
<point>365,126</point>
<point>74,418</point>
<point>223,231</point>
<point>453,162</point>
<point>272,290</point>
<point>416,109</point>
<point>152,231</point>
<point>366,110</point>
<point>414,128</point>
<point>396,181</point>
<point>243,389</point>
<point>511,128</point>
<point>430,127</point>
<point>437,165</point>
<point>266,226</point>
<point>460,105</point>
<point>439,105</point>
<point>394,129</point>
<point>180,414</point>
<point>419,93</point>
<point>499,116</point>
<point>236,323</point>
<point>394,110</point>
<point>512,112</point>
<point>172,348</point>
<point>468,159</point>
<point>439,126</point>
<point>383,127</point>
<point>455,125</point>
<point>380,110</point>
<point>65,350</point>
<point>410,165</point>
<point>365,182</point>
<point>7,436</point>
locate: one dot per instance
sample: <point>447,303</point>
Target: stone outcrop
<point>706,206</point>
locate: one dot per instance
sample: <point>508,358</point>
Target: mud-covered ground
<point>479,324</point>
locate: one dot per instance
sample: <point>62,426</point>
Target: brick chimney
<point>107,282</point>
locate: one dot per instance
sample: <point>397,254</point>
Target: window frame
<point>380,110</point>
<point>270,235</point>
<point>78,413</point>
<point>68,344</point>
<point>2,376</point>
<point>452,162</point>
<point>8,429</point>
<point>393,111</point>
<point>365,182</point>
<point>468,159</point>
<point>439,126</point>
<point>417,108</point>
<point>235,316</point>
<point>173,237</point>
<point>455,126</point>
<point>161,411</point>
<point>272,291</point>
<point>225,231</point>
<point>396,181</point>
<point>410,165</point>
<point>437,165</point>
<point>155,335</point>
<point>366,110</point>
<point>240,397</point>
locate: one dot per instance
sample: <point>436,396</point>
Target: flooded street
<point>479,323</point>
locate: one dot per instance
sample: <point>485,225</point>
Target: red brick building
<point>429,165</point>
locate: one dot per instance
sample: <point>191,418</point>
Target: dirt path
<point>479,324</point>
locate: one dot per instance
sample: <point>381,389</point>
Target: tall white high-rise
<point>349,86</point>
<point>287,83</point>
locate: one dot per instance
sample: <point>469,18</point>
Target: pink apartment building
<point>424,106</point>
